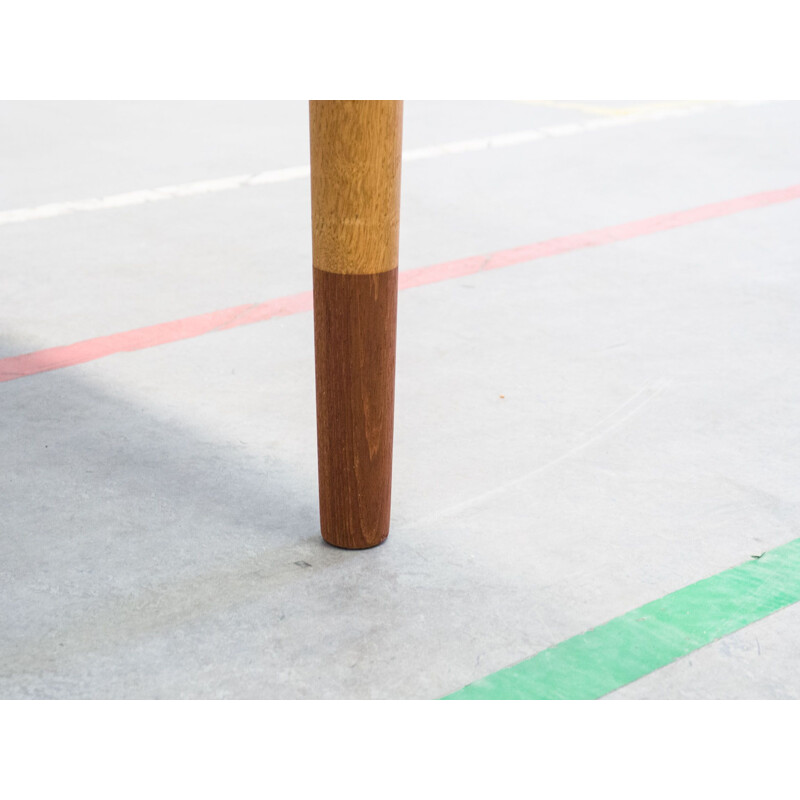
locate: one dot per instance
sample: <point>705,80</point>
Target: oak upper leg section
<point>354,336</point>
<point>356,151</point>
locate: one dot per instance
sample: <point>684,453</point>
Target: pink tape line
<point>69,355</point>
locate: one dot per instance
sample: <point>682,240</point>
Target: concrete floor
<point>159,534</point>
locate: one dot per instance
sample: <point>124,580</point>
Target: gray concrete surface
<point>159,526</point>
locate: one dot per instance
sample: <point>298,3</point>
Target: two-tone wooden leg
<point>355,209</point>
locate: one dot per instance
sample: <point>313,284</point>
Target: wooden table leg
<point>355,210</point>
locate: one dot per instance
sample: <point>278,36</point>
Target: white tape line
<point>297,173</point>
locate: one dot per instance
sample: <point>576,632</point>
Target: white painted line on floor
<point>161,193</point>
<point>615,111</point>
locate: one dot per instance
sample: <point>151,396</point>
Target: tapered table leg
<point>355,210</point>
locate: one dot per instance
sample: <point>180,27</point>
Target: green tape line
<point>635,644</point>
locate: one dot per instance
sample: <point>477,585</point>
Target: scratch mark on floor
<point>620,416</point>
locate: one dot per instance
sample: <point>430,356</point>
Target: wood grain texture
<point>356,151</point>
<point>354,336</point>
<point>355,208</point>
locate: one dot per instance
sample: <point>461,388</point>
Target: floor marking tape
<point>195,188</point>
<point>14,367</point>
<point>70,355</point>
<point>617,111</point>
<point>635,644</point>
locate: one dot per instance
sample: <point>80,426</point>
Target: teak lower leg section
<point>355,208</point>
<point>354,335</point>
